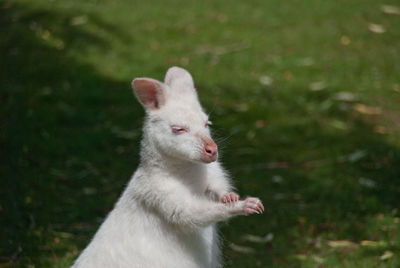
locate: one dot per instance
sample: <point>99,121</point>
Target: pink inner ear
<point>148,92</point>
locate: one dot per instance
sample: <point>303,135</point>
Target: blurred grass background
<point>304,97</point>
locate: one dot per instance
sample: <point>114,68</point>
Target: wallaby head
<point>176,124</point>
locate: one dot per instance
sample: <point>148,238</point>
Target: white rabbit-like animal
<point>166,216</point>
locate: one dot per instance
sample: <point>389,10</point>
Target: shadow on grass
<point>65,159</point>
<point>58,136</point>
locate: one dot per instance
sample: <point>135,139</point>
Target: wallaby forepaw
<point>230,198</point>
<point>253,205</point>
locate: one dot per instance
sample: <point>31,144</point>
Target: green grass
<point>268,71</point>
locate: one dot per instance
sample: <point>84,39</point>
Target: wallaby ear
<point>178,75</point>
<point>149,92</point>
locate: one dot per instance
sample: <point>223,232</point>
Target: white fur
<point>166,216</point>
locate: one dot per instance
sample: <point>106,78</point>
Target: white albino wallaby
<point>166,216</point>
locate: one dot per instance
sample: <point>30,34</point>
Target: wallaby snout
<point>210,151</point>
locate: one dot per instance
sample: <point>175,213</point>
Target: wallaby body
<point>166,216</point>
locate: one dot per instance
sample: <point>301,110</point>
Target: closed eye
<point>178,129</point>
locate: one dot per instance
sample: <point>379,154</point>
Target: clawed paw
<point>253,205</point>
<point>230,198</point>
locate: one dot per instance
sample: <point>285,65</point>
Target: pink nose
<point>211,150</point>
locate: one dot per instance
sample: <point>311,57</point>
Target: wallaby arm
<point>196,212</point>
<point>177,205</point>
<point>219,182</point>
